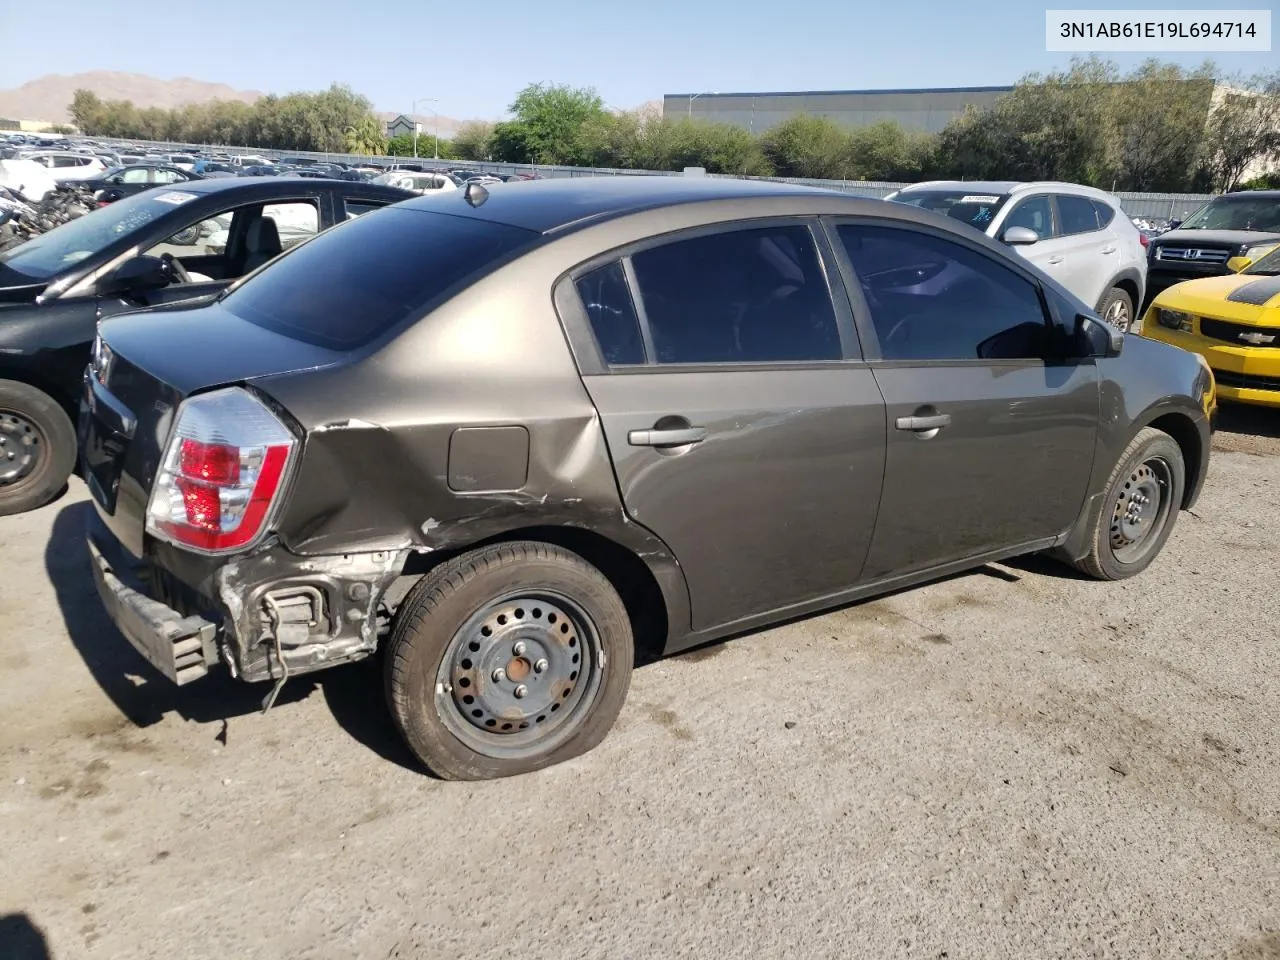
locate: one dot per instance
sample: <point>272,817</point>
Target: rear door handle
<point>1054,261</point>
<point>918,424</point>
<point>678,437</point>
<point>1108,249</point>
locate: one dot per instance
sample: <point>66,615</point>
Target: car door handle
<point>1108,249</point>
<point>677,437</point>
<point>919,424</point>
<point>1054,261</point>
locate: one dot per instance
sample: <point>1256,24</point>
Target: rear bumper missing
<point>180,647</point>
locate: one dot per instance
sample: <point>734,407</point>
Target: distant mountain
<point>47,97</point>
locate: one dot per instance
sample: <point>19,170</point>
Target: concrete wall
<point>926,110</point>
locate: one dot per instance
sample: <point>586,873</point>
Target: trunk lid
<point>145,366</point>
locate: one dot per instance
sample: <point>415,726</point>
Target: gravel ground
<point>1010,763</point>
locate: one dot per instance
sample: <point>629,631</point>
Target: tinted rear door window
<point>607,300</point>
<point>742,296</point>
<point>1078,214</point>
<point>356,281</point>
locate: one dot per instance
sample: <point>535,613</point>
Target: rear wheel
<point>1144,495</point>
<point>508,659</point>
<point>37,447</point>
<point>1117,309</point>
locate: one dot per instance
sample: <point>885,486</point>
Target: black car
<point>1244,224</point>
<point>125,181</point>
<point>180,244</point>
<point>513,436</point>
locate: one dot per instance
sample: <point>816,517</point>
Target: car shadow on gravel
<point>144,696</point>
<point>139,691</point>
<point>22,939</point>
<point>1243,418</point>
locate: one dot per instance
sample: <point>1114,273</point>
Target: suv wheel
<point>37,447</point>
<point>1144,494</point>
<point>508,659</point>
<point>1117,309</point>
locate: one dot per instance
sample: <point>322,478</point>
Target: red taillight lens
<point>1144,240</point>
<point>215,462</point>
<point>222,473</point>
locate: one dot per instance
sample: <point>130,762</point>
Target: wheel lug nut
<point>519,648</point>
<point>540,666</point>
<point>521,691</point>
<point>499,675</point>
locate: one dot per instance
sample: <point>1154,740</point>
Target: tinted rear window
<point>356,281</point>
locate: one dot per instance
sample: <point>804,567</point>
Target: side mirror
<point>1020,236</point>
<point>1097,338</point>
<point>1174,224</point>
<point>136,276</point>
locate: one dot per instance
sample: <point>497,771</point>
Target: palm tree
<point>366,137</point>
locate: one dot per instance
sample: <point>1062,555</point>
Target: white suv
<point>67,164</point>
<point>1076,234</point>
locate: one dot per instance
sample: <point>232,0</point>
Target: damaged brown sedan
<point>517,437</point>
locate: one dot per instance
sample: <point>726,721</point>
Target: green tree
<point>885,151</point>
<point>1157,123</point>
<point>551,119</point>
<point>1243,127</point>
<point>87,112</point>
<point>366,137</point>
<point>512,142</point>
<point>808,146</point>
<point>402,146</point>
<point>472,141</point>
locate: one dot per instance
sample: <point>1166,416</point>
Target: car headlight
<point>1173,319</point>
<point>1257,251</point>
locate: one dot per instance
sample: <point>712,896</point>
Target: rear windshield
<point>974,208</point>
<point>356,281</point>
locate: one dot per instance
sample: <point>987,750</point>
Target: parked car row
<point>514,437</point>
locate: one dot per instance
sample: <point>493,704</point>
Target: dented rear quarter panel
<point>374,472</point>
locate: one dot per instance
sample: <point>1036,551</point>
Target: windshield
<point>1268,266</point>
<point>1236,213</point>
<point>357,280</point>
<point>49,254</point>
<point>975,209</point>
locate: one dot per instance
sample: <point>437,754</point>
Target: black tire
<point>1152,456</point>
<point>1116,307</point>
<point>37,447</point>
<point>447,614</point>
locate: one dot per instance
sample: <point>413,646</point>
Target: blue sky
<point>394,51</point>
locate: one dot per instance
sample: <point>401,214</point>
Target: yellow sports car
<point>1233,322</point>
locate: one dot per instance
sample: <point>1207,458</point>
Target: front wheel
<point>37,447</point>
<point>1117,309</point>
<point>1144,495</point>
<point>508,659</point>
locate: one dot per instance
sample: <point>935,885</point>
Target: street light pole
<point>413,116</point>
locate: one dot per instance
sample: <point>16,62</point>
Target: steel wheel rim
<point>1140,510</point>
<point>519,675</point>
<point>22,446</point>
<point>1118,314</point>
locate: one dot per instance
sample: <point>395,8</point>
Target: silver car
<point>1076,234</point>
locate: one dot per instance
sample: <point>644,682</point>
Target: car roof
<point>1010,187</point>
<point>545,206</point>
<point>1258,194</point>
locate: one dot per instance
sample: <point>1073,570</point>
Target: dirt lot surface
<point>1010,763</point>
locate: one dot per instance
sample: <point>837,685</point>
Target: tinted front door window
<point>1034,213</point>
<point>1009,463</point>
<point>744,296</point>
<point>934,299</point>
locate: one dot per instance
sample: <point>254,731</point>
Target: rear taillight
<point>1144,240</point>
<point>222,473</point>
